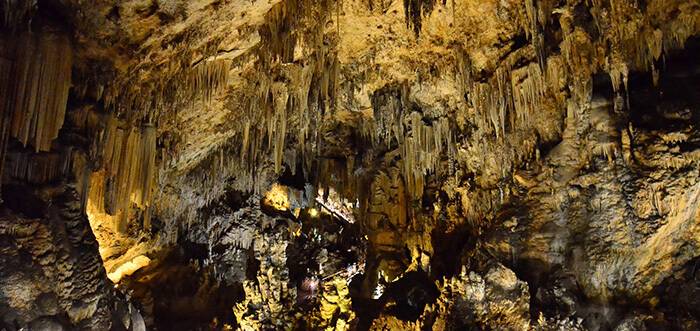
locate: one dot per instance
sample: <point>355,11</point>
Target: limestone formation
<point>356,164</point>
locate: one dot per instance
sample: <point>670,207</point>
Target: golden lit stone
<point>277,198</point>
<point>129,268</point>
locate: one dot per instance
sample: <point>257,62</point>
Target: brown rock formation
<point>362,164</point>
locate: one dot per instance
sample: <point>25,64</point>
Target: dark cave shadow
<point>408,297</point>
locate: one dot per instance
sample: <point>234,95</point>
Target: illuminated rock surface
<point>342,165</point>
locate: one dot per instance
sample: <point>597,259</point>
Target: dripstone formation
<point>350,165</point>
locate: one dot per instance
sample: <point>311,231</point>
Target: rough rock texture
<point>52,276</point>
<point>362,164</point>
<point>496,300</point>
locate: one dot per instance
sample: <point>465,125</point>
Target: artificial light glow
<point>277,198</point>
<point>378,291</point>
<point>336,205</point>
<point>313,212</point>
<point>101,223</point>
<point>129,268</point>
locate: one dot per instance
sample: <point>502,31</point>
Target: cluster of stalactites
<point>513,96</point>
<point>421,151</point>
<point>422,142</point>
<point>510,97</point>
<point>280,112</point>
<point>277,112</point>
<point>15,12</point>
<point>288,109</point>
<point>634,40</point>
<point>180,88</point>
<point>208,76</point>
<point>636,45</point>
<point>42,80</point>
<point>128,172</point>
<point>38,168</point>
<point>35,73</point>
<point>123,187</point>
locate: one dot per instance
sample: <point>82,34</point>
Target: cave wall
<point>52,275</point>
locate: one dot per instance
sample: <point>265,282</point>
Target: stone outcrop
<point>52,275</point>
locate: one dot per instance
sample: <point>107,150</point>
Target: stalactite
<point>15,11</point>
<point>421,151</point>
<point>146,167</point>
<point>655,43</point>
<point>129,167</point>
<point>42,77</point>
<point>531,18</point>
<point>38,168</point>
<point>208,76</point>
<point>415,10</point>
<point>35,71</point>
<point>277,125</point>
<point>556,74</point>
<point>529,88</point>
<point>5,110</point>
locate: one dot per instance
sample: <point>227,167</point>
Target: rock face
<point>52,276</point>
<point>494,300</point>
<point>361,164</point>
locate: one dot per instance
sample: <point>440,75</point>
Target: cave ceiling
<point>350,164</point>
